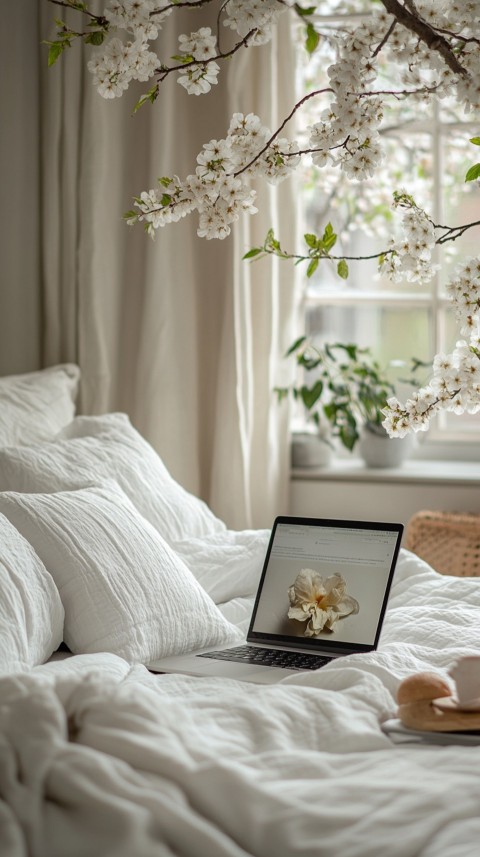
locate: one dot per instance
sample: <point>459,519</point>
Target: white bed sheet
<point>101,758</point>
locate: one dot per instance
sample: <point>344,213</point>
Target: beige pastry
<point>416,697</point>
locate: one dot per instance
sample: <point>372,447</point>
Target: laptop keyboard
<point>268,658</point>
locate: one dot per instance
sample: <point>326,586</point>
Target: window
<point>428,154</point>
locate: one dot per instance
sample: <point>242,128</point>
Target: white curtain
<point>178,332</point>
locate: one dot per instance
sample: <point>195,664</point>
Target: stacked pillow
<point>31,612</point>
<point>123,588</point>
<point>96,513</point>
<point>108,447</point>
<point>36,405</point>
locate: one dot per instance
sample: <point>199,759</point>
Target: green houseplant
<point>348,391</point>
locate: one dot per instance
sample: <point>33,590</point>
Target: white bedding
<point>101,758</point>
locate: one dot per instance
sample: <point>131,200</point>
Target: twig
<point>98,18</point>
<point>163,71</point>
<point>277,132</point>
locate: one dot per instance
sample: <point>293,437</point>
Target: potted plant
<point>348,393</point>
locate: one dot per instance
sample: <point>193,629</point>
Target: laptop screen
<point>325,584</point>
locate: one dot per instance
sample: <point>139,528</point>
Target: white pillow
<point>228,564</point>
<point>36,405</point>
<point>31,613</point>
<point>123,588</point>
<point>108,447</point>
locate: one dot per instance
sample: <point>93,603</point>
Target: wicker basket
<point>448,541</point>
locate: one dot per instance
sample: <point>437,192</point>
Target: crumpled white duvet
<point>101,759</point>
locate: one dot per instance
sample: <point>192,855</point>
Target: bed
<point>107,563</point>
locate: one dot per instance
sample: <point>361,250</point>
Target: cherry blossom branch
<point>465,40</point>
<point>281,127</point>
<point>299,104</point>
<point>454,232</point>
<point>425,33</point>
<point>397,93</point>
<point>164,71</point>
<point>272,247</point>
<point>384,40</point>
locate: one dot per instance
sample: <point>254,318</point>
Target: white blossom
<point>199,79</point>
<point>345,137</point>
<point>201,45</point>
<point>455,382</point>
<point>256,16</point>
<point>135,16</point>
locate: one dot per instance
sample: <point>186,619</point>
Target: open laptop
<point>322,594</point>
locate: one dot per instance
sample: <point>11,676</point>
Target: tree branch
<point>425,33</point>
<point>277,132</point>
<point>385,39</point>
<point>164,71</point>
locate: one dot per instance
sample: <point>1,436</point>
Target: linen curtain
<point>178,332</point>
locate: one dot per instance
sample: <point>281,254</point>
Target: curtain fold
<point>263,314</point>
<point>178,332</point>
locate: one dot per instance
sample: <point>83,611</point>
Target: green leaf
<point>164,181</point>
<point>348,435</point>
<point>296,345</point>
<point>312,267</point>
<point>282,392</point>
<point>271,242</point>
<point>303,12</point>
<point>56,49</point>
<point>150,96</point>
<point>308,362</point>
<point>311,395</point>
<point>473,173</point>
<point>342,269</point>
<point>183,58</point>
<point>166,199</point>
<point>253,252</point>
<point>312,39</point>
<point>311,240</point>
<point>328,243</point>
<point>95,38</point>
<point>129,214</point>
<point>350,349</point>
<point>475,141</point>
<point>330,411</point>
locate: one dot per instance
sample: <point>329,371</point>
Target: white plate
<point>449,703</point>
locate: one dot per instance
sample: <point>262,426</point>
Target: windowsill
<point>414,471</point>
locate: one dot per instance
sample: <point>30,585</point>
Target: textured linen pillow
<point>31,613</point>
<point>36,405</point>
<point>227,565</point>
<point>108,447</point>
<point>123,588</point>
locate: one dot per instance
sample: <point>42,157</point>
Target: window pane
<point>461,199</point>
<point>392,334</point>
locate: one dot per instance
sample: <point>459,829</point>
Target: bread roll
<point>422,686</point>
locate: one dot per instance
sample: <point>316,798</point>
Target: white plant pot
<point>380,450</point>
<point>309,450</point>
